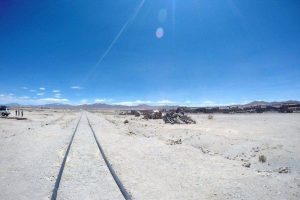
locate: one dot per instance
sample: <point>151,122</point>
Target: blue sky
<point>192,52</point>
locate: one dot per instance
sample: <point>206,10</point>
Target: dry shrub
<point>262,158</point>
<point>210,117</point>
<point>126,121</point>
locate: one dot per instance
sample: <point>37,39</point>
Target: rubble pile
<point>153,115</point>
<point>177,118</point>
<point>136,113</point>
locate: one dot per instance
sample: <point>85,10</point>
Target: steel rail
<point>58,179</point>
<point>122,189</point>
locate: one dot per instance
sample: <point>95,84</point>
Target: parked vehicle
<point>4,111</point>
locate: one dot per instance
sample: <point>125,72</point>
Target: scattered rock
<point>283,170</point>
<point>262,158</point>
<point>174,142</point>
<point>205,151</point>
<point>131,133</point>
<point>255,149</point>
<point>210,117</point>
<point>126,121</point>
<point>247,164</point>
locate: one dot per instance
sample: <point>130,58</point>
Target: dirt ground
<point>213,159</point>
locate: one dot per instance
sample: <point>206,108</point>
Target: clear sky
<point>191,52</point>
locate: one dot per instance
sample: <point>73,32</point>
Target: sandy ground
<point>153,160</point>
<point>31,152</point>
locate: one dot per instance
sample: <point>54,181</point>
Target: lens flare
<point>159,32</point>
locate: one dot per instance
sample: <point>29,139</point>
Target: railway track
<point>116,179</point>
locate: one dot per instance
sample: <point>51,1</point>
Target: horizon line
<point>150,105</point>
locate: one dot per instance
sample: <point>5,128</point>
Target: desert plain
<point>213,159</point>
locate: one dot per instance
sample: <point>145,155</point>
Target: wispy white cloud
<point>149,102</point>
<point>84,101</point>
<point>24,88</point>
<point>76,88</point>
<point>53,100</point>
<point>5,98</point>
<point>57,95</point>
<point>98,100</point>
<point>11,94</point>
<point>40,94</point>
<point>91,101</point>
<point>26,100</point>
<point>55,91</point>
<point>132,103</point>
<point>208,102</point>
<point>32,90</point>
<point>42,88</point>
<point>165,102</point>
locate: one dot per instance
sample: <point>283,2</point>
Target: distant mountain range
<point>123,107</point>
<point>273,103</point>
<point>95,106</point>
<point>103,106</point>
